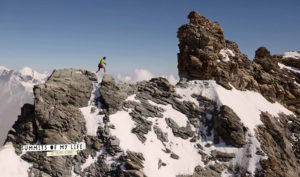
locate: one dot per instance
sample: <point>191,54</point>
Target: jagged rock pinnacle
<point>262,52</point>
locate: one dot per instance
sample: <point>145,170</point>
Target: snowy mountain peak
<point>16,87</point>
<point>26,71</point>
<point>3,68</point>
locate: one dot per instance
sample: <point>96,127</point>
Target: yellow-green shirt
<point>102,61</point>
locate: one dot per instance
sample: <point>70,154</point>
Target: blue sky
<point>133,34</point>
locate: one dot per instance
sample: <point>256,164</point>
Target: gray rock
<point>222,156</point>
<point>174,156</point>
<point>134,173</point>
<point>143,126</point>
<point>93,109</point>
<point>115,141</point>
<point>113,94</point>
<point>182,132</point>
<point>134,161</point>
<point>163,137</point>
<point>161,163</point>
<point>229,127</point>
<point>97,145</point>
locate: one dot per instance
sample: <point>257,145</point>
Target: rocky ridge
<point>218,141</point>
<point>53,119</point>
<point>206,54</point>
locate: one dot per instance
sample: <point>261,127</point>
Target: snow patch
<point>248,105</point>
<point>152,149</point>
<point>297,83</point>
<point>132,98</point>
<point>11,164</point>
<point>294,69</point>
<point>292,54</point>
<point>226,53</point>
<point>177,116</point>
<point>90,160</point>
<point>92,118</point>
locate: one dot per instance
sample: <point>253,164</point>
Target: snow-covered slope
<point>150,128</point>
<point>12,161</point>
<point>292,69</point>
<point>16,89</point>
<point>248,105</point>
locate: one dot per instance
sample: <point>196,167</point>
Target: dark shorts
<point>100,66</point>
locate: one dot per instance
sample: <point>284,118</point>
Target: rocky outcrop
<point>183,132</point>
<point>54,118</point>
<point>279,137</point>
<point>59,99</point>
<point>222,156</point>
<point>225,124</point>
<point>200,44</point>
<point>264,58</point>
<point>204,53</point>
<point>229,127</point>
<point>292,61</point>
<point>114,94</point>
<point>214,170</point>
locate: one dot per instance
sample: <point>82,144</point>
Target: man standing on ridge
<point>100,65</point>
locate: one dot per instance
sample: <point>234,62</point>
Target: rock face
<point>228,126</point>
<point>280,140</point>
<point>290,59</point>
<point>114,94</point>
<point>200,43</point>
<point>57,100</point>
<point>55,118</point>
<point>206,54</point>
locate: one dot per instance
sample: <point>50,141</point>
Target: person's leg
<point>104,69</point>
<point>98,70</point>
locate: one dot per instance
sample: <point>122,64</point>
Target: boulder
<point>113,94</point>
<point>262,52</point>
<point>229,127</point>
<point>222,156</point>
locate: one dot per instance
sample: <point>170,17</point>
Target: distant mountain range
<point>15,90</point>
